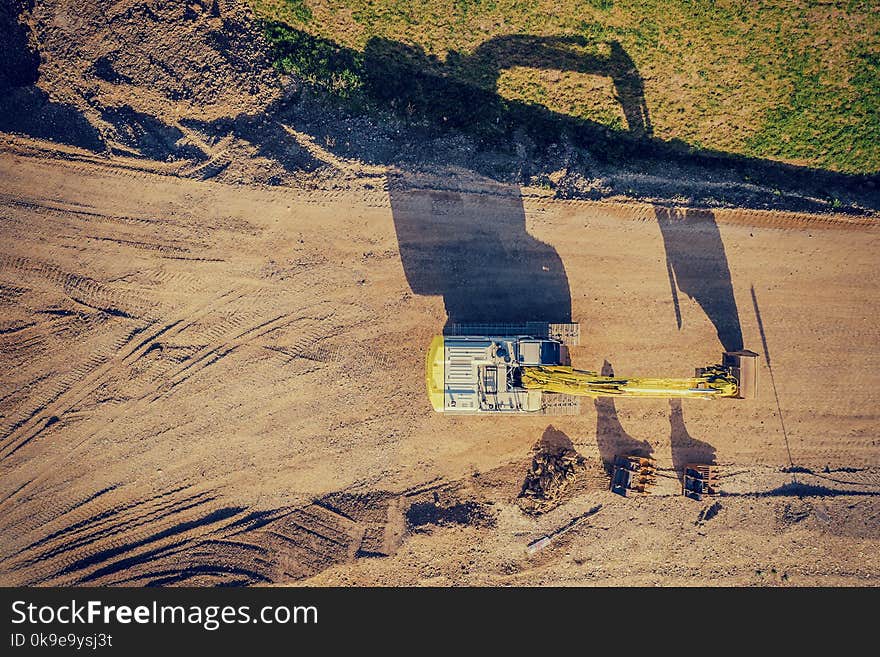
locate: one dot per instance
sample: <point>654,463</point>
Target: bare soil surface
<point>207,383</point>
<point>214,312</point>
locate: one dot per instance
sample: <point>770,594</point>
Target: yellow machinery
<point>711,382</point>
<point>519,369</point>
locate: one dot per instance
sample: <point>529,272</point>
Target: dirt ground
<point>213,321</point>
<point>208,383</point>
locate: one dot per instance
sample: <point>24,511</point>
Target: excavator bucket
<point>700,479</point>
<point>633,474</point>
<point>743,365</point>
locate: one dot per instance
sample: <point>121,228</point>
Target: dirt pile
<point>199,59</point>
<point>126,77</point>
<point>555,465</point>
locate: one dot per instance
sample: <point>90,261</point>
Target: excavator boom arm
<point>713,382</point>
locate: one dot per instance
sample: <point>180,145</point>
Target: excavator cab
<point>539,352</point>
<point>477,368</point>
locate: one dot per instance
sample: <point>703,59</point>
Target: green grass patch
<point>793,80</point>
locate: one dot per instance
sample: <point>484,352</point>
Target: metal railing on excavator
<point>713,382</point>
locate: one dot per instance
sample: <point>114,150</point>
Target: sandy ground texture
<point>217,288</point>
<point>207,383</point>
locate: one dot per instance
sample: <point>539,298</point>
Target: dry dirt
<point>211,349</point>
<point>206,383</point>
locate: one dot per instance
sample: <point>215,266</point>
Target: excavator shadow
<point>611,438</point>
<point>697,265</point>
<point>685,448</point>
<point>449,113</point>
<point>475,252</point>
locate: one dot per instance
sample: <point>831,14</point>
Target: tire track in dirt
<point>184,532</point>
<point>122,553</point>
<point>103,526</point>
<point>80,545</point>
<point>59,208</point>
<point>81,289</point>
<point>147,238</point>
<point>187,524</point>
<point>10,294</point>
<point>218,349</point>
<point>303,196</point>
<point>224,337</point>
<point>372,198</point>
<point>774,219</point>
<point>66,393</point>
<point>85,377</point>
<point>157,279</point>
<point>20,146</point>
<point>41,401</point>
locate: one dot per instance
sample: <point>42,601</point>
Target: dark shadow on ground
<point>796,489</point>
<point>611,437</point>
<point>697,265</point>
<point>394,104</point>
<point>432,98</point>
<point>266,134</point>
<point>149,136</point>
<point>24,108</point>
<point>481,259</point>
<point>475,252</point>
<point>461,92</point>
<point>30,111</point>
<point>19,59</point>
<point>554,440</point>
<point>685,448</point>
<point>564,53</point>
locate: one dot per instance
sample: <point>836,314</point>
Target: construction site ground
<point>209,383</point>
<point>218,285</point>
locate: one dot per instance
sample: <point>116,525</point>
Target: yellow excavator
<point>518,368</point>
